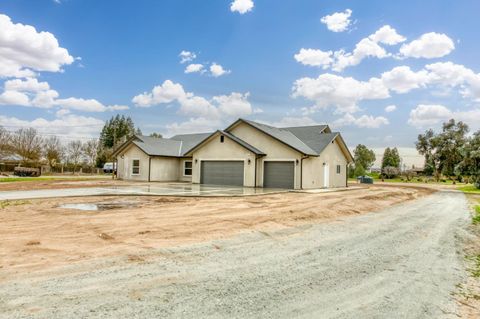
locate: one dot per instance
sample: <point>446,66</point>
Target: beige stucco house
<point>246,153</point>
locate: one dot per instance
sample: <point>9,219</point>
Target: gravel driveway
<point>403,262</point>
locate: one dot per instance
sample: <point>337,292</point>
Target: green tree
<point>363,156</point>
<point>157,135</point>
<point>470,164</point>
<point>115,131</point>
<point>444,151</point>
<point>359,170</point>
<point>391,158</point>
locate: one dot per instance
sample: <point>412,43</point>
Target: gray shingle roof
<point>284,136</point>
<point>313,136</point>
<point>175,146</point>
<point>233,138</point>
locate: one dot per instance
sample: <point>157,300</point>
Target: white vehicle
<point>109,167</point>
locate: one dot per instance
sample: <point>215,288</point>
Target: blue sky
<point>419,56</point>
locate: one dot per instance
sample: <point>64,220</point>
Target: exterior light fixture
<point>249,161</point>
<point>196,161</point>
<point>296,161</point>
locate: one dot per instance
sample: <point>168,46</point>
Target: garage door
<point>278,175</point>
<point>222,173</point>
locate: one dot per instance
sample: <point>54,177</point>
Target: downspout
<point>346,175</point>
<point>301,172</point>
<point>255,182</point>
<point>149,167</point>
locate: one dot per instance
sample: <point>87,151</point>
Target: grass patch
<point>476,217</point>
<point>7,203</point>
<point>476,265</point>
<point>469,189</point>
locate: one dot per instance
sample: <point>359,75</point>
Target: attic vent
<point>222,138</point>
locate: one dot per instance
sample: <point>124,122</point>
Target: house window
<point>135,167</point>
<point>222,138</point>
<point>187,168</point>
<point>339,169</point>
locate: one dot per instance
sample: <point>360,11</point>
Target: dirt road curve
<point>402,262</point>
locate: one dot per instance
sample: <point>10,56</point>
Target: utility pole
<point>113,149</point>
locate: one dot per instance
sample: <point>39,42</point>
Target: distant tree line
<point>28,145</point>
<point>451,154</point>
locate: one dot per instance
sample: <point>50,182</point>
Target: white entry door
<point>326,176</point>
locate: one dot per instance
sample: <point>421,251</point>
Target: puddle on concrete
<point>99,206</point>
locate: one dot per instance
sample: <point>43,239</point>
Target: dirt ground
<point>60,184</point>
<point>38,234</point>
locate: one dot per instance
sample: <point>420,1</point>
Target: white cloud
<point>390,108</point>
<point>314,57</point>
<point>402,79</point>
<point>290,121</point>
<point>429,45</point>
<point>428,115</point>
<point>343,93</point>
<point>338,21</point>
<point>193,68</point>
<point>197,125</point>
<point>65,126</point>
<point>364,121</point>
<point>241,6</point>
<point>187,56</point>
<point>234,105</point>
<point>30,92</point>
<point>219,107</point>
<point>23,50</point>
<point>218,70</point>
<point>387,35</point>
<point>365,48</point>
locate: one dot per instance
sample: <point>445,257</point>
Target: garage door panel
<point>222,173</point>
<point>278,175</point>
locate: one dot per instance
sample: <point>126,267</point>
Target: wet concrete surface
<point>166,189</point>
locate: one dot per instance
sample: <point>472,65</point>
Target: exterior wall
<point>313,169</point>
<point>124,169</point>
<point>275,150</point>
<point>164,169</point>
<point>181,176</point>
<point>228,150</point>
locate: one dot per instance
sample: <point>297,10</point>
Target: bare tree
<point>5,145</point>
<point>53,151</point>
<point>27,144</point>
<point>90,150</point>
<point>75,153</point>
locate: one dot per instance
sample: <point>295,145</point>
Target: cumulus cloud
<point>24,50</point>
<point>402,79</point>
<point>387,35</point>
<point>64,126</point>
<point>428,115</point>
<point>194,68</point>
<point>291,121</point>
<point>218,70</point>
<point>429,45</point>
<point>219,107</point>
<point>390,108</point>
<point>31,92</point>
<point>241,6</point>
<point>343,93</point>
<point>365,48</point>
<point>364,121</point>
<point>187,56</point>
<point>338,21</point>
<point>314,57</point>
